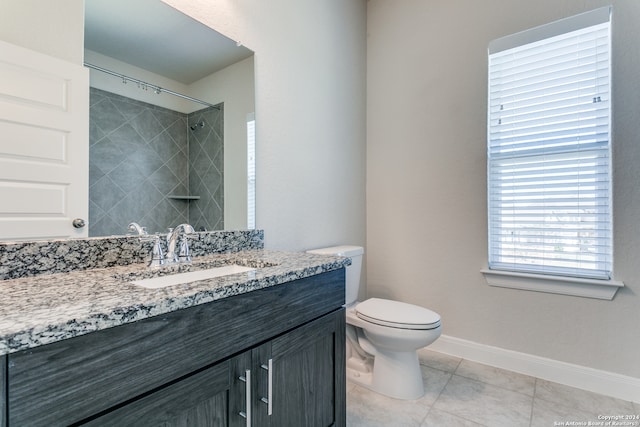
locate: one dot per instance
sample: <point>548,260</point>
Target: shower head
<point>195,126</point>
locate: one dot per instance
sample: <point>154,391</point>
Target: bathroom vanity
<point>263,348</point>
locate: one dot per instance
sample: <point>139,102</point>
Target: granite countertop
<point>47,308</point>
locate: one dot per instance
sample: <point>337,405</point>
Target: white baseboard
<point>602,382</point>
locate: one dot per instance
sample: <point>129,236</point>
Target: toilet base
<point>393,374</point>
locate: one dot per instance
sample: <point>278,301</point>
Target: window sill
<point>574,286</point>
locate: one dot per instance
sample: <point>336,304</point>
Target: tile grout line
<point>454,373</point>
<point>441,391</point>
<point>436,399</point>
<point>533,401</point>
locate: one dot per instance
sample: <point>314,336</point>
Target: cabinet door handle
<point>247,388</point>
<point>269,399</point>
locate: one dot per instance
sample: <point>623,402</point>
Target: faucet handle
<point>172,242</point>
<point>184,255</point>
<point>157,255</point>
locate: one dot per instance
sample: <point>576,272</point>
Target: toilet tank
<point>352,280</point>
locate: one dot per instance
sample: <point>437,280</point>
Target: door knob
<point>79,223</point>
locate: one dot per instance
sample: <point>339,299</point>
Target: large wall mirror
<point>171,116</point>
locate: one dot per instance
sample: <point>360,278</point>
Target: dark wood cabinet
<point>190,367</point>
<point>298,375</point>
<point>3,391</point>
<point>296,379</point>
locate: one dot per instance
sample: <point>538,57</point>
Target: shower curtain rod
<point>156,89</point>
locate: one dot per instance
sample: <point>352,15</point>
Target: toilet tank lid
<point>344,250</point>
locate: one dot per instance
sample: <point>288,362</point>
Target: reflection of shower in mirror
<point>198,125</point>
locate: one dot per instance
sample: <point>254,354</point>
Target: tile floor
<point>460,393</point>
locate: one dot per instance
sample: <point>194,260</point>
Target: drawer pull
<point>269,399</point>
<point>247,388</point>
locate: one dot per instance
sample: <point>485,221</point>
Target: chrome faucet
<point>135,228</point>
<point>183,254</point>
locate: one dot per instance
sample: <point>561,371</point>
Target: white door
<point>44,145</point>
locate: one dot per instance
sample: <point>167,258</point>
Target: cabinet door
<point>309,374</point>
<point>3,391</point>
<point>248,397</point>
<point>201,399</point>
<point>243,390</point>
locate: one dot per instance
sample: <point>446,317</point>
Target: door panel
<point>308,372</point>
<point>199,400</point>
<point>44,145</point>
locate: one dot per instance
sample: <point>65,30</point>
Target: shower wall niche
<point>153,166</point>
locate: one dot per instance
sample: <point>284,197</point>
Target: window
<point>549,149</point>
<point>251,171</point>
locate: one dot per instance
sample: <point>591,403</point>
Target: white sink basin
<point>191,276</point>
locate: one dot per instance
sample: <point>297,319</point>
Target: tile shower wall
<point>138,159</point>
<point>206,168</point>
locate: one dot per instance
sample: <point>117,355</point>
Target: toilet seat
<point>396,314</point>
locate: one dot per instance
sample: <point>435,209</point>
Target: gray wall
<point>310,114</point>
<point>140,155</point>
<point>426,179</point>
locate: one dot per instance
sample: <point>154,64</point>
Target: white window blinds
<point>549,178</point>
<point>251,171</point>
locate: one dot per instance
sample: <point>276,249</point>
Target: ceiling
<point>158,38</point>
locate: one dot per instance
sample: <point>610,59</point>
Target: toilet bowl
<point>383,336</point>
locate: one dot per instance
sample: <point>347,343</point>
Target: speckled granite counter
<point>33,258</point>
<point>43,309</point>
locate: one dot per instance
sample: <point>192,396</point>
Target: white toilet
<point>383,336</point>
